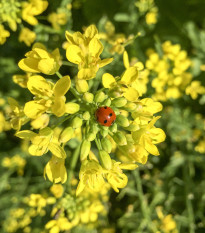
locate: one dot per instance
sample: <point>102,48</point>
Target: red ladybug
<point>105,116</point>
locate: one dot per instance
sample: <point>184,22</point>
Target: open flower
<point>47,96</point>
<point>84,50</point>
<point>38,60</point>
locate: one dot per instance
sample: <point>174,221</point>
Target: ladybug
<point>105,116</point>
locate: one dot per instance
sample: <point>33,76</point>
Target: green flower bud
<point>86,116</point>
<point>115,92</point>
<point>106,145</point>
<point>66,135</point>
<point>120,138</point>
<point>119,102</point>
<point>100,97</point>
<point>107,102</point>
<point>94,128</point>
<point>113,128</point>
<point>91,136</point>
<point>105,159</point>
<point>85,149</point>
<point>77,122</point>
<point>104,132</point>
<point>88,97</point>
<point>133,127</point>
<point>130,107</point>
<point>122,121</point>
<point>72,108</point>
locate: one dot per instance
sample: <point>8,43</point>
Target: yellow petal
<point>126,60</point>
<point>130,75</point>
<point>33,109</point>
<point>80,188</point>
<point>87,73</point>
<point>48,66</point>
<point>95,47</point>
<point>25,134</point>
<point>104,62</point>
<point>131,94</point>
<point>150,147</point>
<point>108,80</point>
<point>73,54</point>
<point>41,52</point>
<point>29,65</point>
<point>57,150</point>
<point>58,107</point>
<point>91,31</point>
<point>38,86</point>
<point>62,86</point>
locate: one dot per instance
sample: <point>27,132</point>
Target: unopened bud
<point>91,136</point>
<point>86,116</point>
<point>120,138</point>
<point>119,102</point>
<point>104,132</point>
<point>115,92</point>
<point>88,97</point>
<point>133,127</point>
<point>113,128</point>
<point>105,159</point>
<point>122,121</point>
<point>107,102</point>
<point>72,108</point>
<point>85,149</point>
<point>130,107</point>
<point>81,85</point>
<point>100,97</point>
<point>77,122</point>
<point>106,145</point>
<point>66,135</point>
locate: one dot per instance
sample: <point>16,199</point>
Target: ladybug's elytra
<point>105,116</point>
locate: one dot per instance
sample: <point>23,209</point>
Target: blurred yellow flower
<point>195,89</point>
<point>57,19</point>
<point>27,36</point>
<point>3,34</point>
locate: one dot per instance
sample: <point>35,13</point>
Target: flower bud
<point>86,116</point>
<point>81,85</point>
<point>88,97</point>
<point>115,92</point>
<point>94,128</point>
<point>122,121</point>
<point>106,145</point>
<point>105,159</point>
<point>113,128</point>
<point>130,106</point>
<point>119,102</point>
<point>66,135</point>
<point>107,102</point>
<point>120,138</point>
<point>133,127</point>
<point>72,108</point>
<point>85,149</point>
<point>100,97</point>
<point>91,136</point>
<point>77,122</point>
<point>104,132</point>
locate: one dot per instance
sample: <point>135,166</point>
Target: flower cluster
<point>170,71</point>
<point>115,118</point>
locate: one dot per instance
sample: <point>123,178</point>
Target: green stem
<point>73,164</point>
<point>187,180</point>
<point>63,120</point>
<point>59,74</point>
<point>67,63</point>
<point>75,93</point>
<point>97,144</point>
<point>143,202</point>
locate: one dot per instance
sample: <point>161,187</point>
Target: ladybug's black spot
<point>110,114</point>
<point>105,121</point>
<point>105,107</point>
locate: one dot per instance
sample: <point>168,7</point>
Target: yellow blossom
<point>84,50</point>
<point>195,89</point>
<point>57,190</point>
<point>4,125</point>
<point>48,97</point>
<point>21,80</point>
<point>57,19</point>
<point>58,225</point>
<point>33,8</point>
<point>27,36</point>
<point>38,60</point>
<point>3,34</point>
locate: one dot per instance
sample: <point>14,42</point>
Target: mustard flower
<point>33,8</point>
<point>3,34</point>
<point>195,89</point>
<point>38,60</point>
<point>84,50</point>
<point>57,19</point>
<point>27,36</point>
<point>48,97</point>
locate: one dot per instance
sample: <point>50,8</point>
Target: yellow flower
<point>48,97</point>
<point>147,136</point>
<point>33,8</point>
<point>115,176</point>
<point>57,190</point>
<point>57,19</point>
<point>84,50</point>
<point>151,17</point>
<point>91,176</point>
<point>21,80</point>
<point>40,122</point>
<point>4,125</point>
<point>42,142</point>
<point>3,34</point>
<point>27,36</point>
<point>195,89</point>
<point>38,60</point>
<point>58,225</point>
<point>55,170</point>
